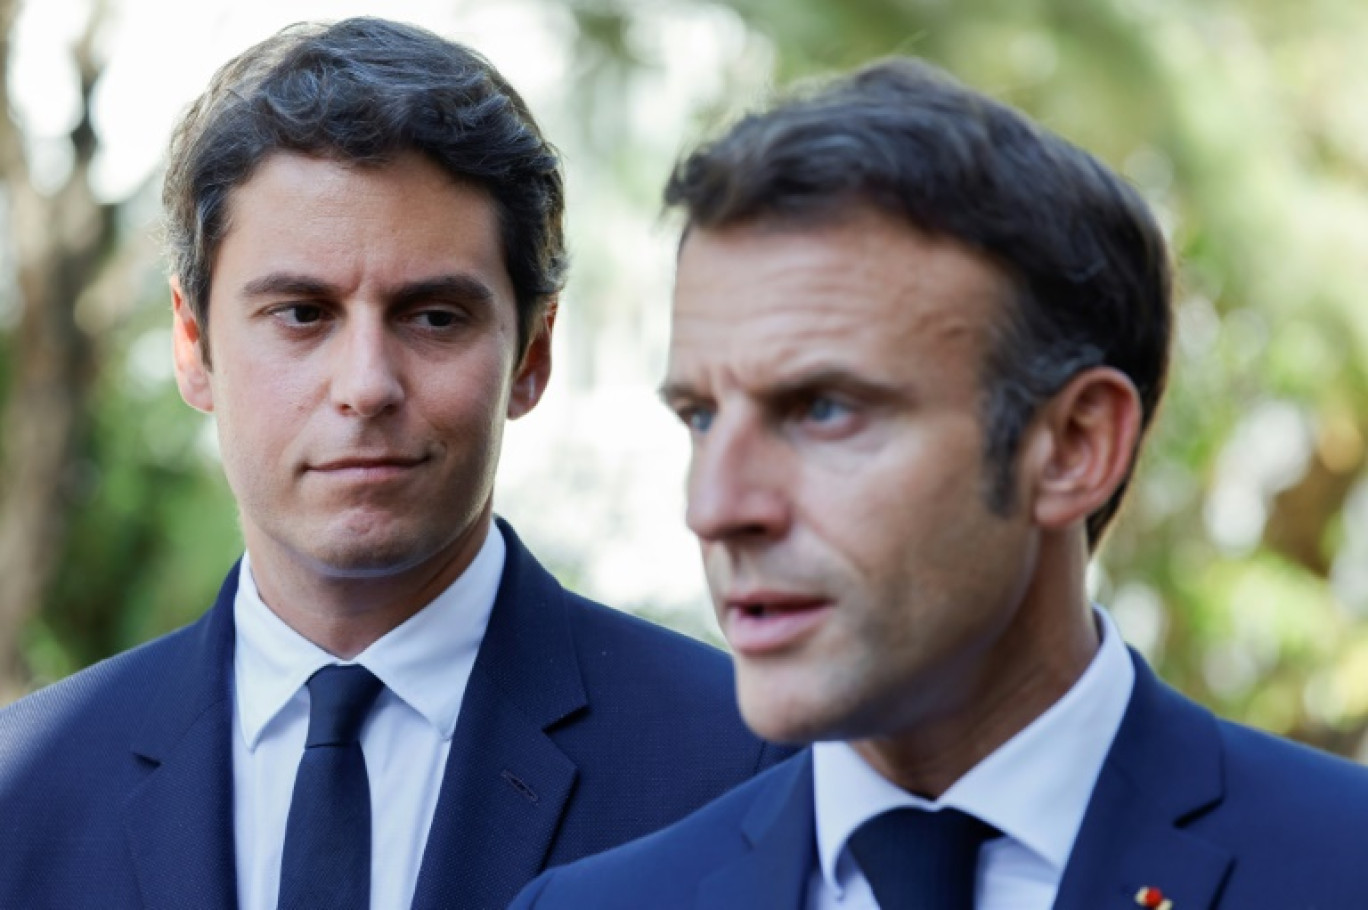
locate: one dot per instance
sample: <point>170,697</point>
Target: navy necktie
<point>919,860</point>
<point>326,862</point>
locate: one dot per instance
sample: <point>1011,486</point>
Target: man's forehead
<point>282,169</point>
<point>289,193</point>
<point>838,291</point>
<point>855,240</point>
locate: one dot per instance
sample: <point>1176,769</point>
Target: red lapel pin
<point>1152,899</point>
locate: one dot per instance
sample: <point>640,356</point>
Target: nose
<point>737,491</point>
<point>366,379</point>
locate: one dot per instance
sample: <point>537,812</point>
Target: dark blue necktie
<point>919,860</point>
<point>326,864</point>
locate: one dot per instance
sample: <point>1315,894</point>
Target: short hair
<point>363,91</point>
<point>1086,264</point>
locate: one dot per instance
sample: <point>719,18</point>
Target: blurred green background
<point>1240,565</point>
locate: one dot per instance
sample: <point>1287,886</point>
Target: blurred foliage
<point>1240,565</point>
<point>152,531</point>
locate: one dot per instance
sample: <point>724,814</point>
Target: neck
<point>1047,646</point>
<point>345,614</point>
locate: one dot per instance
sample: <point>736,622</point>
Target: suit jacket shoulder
<point>1215,815</point>
<point>86,708</point>
<point>750,849</point>
<point>83,816</point>
<point>582,728</point>
<point>672,694</point>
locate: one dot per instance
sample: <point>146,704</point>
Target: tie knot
<point>916,858</point>
<point>340,697</point>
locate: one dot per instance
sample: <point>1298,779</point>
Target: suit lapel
<point>506,782</point>
<point>179,821</point>
<point>1164,769</point>
<point>780,828</point>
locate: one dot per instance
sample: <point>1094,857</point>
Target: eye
<point>300,313</point>
<point>435,319</point>
<point>697,419</point>
<point>826,416</point>
<point>822,409</point>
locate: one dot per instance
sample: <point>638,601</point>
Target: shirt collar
<point>1033,788</point>
<point>425,662</point>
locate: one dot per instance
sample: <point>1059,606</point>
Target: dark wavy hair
<point>364,91</point>
<point>1087,265</point>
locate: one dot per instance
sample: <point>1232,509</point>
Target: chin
<point>785,720</point>
<point>368,560</point>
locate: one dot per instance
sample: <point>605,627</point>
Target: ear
<point>187,344</point>
<point>1081,447</point>
<point>534,372</point>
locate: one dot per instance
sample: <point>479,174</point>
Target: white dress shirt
<point>425,665</point>
<point>1034,788</point>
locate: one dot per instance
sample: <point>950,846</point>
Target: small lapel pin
<point>1152,899</point>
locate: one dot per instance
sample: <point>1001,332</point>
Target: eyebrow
<point>822,378</point>
<point>456,287</point>
<point>286,283</point>
<point>674,391</point>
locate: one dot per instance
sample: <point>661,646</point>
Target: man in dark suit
<point>391,703</point>
<point>917,340</point>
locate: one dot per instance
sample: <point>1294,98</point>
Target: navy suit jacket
<point>581,728</point>
<point>1215,815</point>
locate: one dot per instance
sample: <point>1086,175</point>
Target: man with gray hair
<point>391,704</point>
<point>917,341</point>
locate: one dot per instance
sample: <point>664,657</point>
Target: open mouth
<point>757,611</point>
<point>763,623</point>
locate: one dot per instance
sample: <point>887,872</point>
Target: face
<point>363,341</point>
<point>830,378</point>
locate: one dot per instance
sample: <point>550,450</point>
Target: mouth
<point>366,467</point>
<point>767,622</point>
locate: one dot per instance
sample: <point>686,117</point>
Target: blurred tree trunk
<point>59,242</point>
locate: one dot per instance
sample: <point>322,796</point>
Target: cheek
<point>478,383</point>
<point>263,404</point>
<point>259,382</point>
<point>715,565</point>
<point>467,409</point>
<point>466,421</point>
<point>264,419</point>
<point>900,517</point>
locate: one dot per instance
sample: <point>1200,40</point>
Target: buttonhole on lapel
<point>517,783</point>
